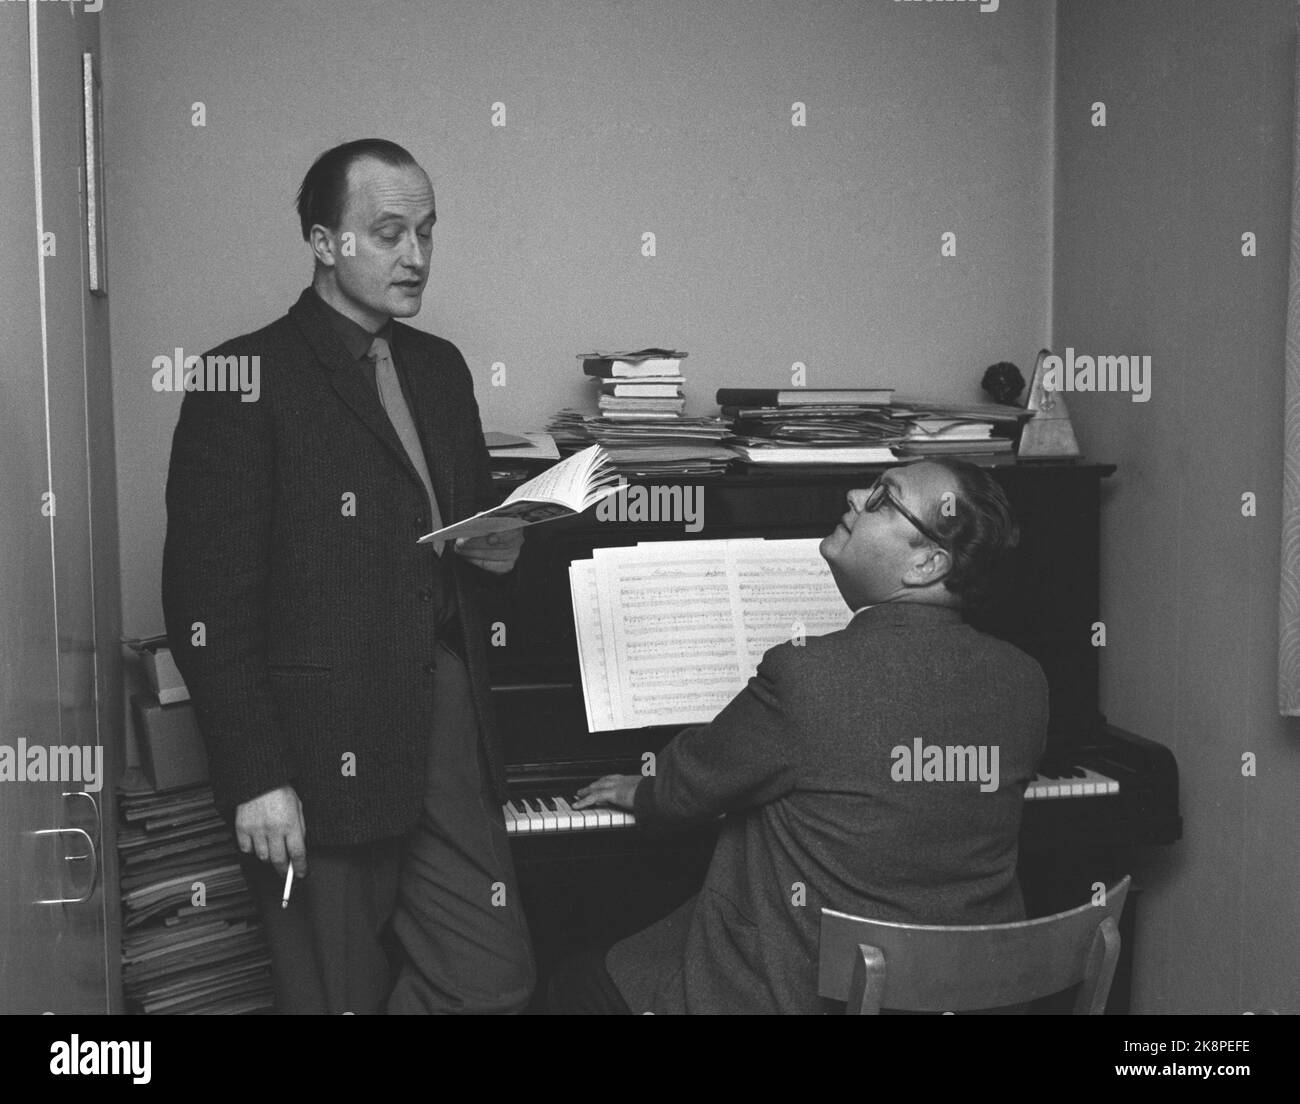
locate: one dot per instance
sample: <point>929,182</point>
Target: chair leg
<point>1102,957</point>
<point>867,985</point>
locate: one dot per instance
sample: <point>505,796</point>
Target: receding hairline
<point>370,159</point>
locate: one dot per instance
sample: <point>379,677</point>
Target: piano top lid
<point>741,475</point>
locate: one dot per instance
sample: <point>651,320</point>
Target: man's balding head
<point>942,554</point>
<point>368,214</point>
<point>323,193</point>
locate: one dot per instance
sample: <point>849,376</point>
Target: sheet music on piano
<point>669,632</point>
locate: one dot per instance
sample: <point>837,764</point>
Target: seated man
<point>878,770</point>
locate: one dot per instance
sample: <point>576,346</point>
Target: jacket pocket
<point>304,698</point>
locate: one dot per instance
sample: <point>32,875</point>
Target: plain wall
<point>1150,213</point>
<point>775,244</point>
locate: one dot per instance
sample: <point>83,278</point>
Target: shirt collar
<point>896,613</point>
<point>356,338</point>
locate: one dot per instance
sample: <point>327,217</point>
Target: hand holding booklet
<point>568,488</point>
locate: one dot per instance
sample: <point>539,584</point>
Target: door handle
<point>94,865</point>
<point>94,805</point>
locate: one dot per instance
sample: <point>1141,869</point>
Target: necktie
<point>394,403</point>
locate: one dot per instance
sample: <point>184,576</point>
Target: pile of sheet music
<point>641,422</point>
<point>669,632</point>
<point>856,426</point>
<point>689,446</point>
<point>191,941</point>
<point>811,426</point>
<point>935,428</point>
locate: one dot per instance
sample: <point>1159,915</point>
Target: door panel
<point>64,33</point>
<point>53,950</point>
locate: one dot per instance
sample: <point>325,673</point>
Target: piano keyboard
<point>535,814</point>
<point>1073,782</point>
<point>554,814</point>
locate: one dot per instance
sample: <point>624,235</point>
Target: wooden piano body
<point>590,886</point>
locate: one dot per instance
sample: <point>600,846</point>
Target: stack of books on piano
<point>641,422</point>
<point>641,385</point>
<point>804,425</point>
<point>191,940</point>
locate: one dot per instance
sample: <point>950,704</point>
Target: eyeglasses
<point>880,493</point>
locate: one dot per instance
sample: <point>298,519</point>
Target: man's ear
<point>322,245</point>
<point>930,565</point>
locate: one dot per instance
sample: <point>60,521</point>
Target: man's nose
<point>858,499</point>
<point>416,254</point>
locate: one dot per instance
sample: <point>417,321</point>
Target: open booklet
<point>568,488</point>
<point>669,632</point>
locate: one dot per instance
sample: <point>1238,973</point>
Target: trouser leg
<point>581,985</point>
<point>327,947</point>
<point>458,918</point>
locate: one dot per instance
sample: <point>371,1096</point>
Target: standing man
<point>807,763</point>
<point>338,668</point>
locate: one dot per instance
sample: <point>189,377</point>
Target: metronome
<point>1049,432</point>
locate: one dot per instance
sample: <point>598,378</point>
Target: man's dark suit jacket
<point>801,762</point>
<point>320,640</point>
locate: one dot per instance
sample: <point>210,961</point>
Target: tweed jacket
<point>803,764</point>
<point>298,604</point>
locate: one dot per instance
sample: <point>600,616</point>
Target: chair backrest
<point>875,964</point>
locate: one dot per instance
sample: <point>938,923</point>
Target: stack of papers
<point>676,446</point>
<point>185,949</point>
<point>521,446</point>
<point>670,631</point>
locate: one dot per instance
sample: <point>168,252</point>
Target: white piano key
<point>565,815</point>
<point>515,820</point>
<point>535,822</point>
<point>549,821</point>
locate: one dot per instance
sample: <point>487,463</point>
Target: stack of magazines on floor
<point>641,422</point>
<point>801,425</point>
<point>191,941</point>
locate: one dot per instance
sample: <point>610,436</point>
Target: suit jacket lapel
<point>347,382</point>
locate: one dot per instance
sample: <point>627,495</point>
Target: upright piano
<point>588,877</point>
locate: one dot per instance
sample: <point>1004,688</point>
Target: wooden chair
<point>922,968</point>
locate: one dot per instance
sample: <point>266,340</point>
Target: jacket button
<point>419,523</point>
<point>425,596</point>
<point>429,668</point>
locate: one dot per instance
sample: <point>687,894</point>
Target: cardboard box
<point>171,749</point>
<point>164,678</point>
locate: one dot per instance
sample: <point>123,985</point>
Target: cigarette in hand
<point>288,885</point>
